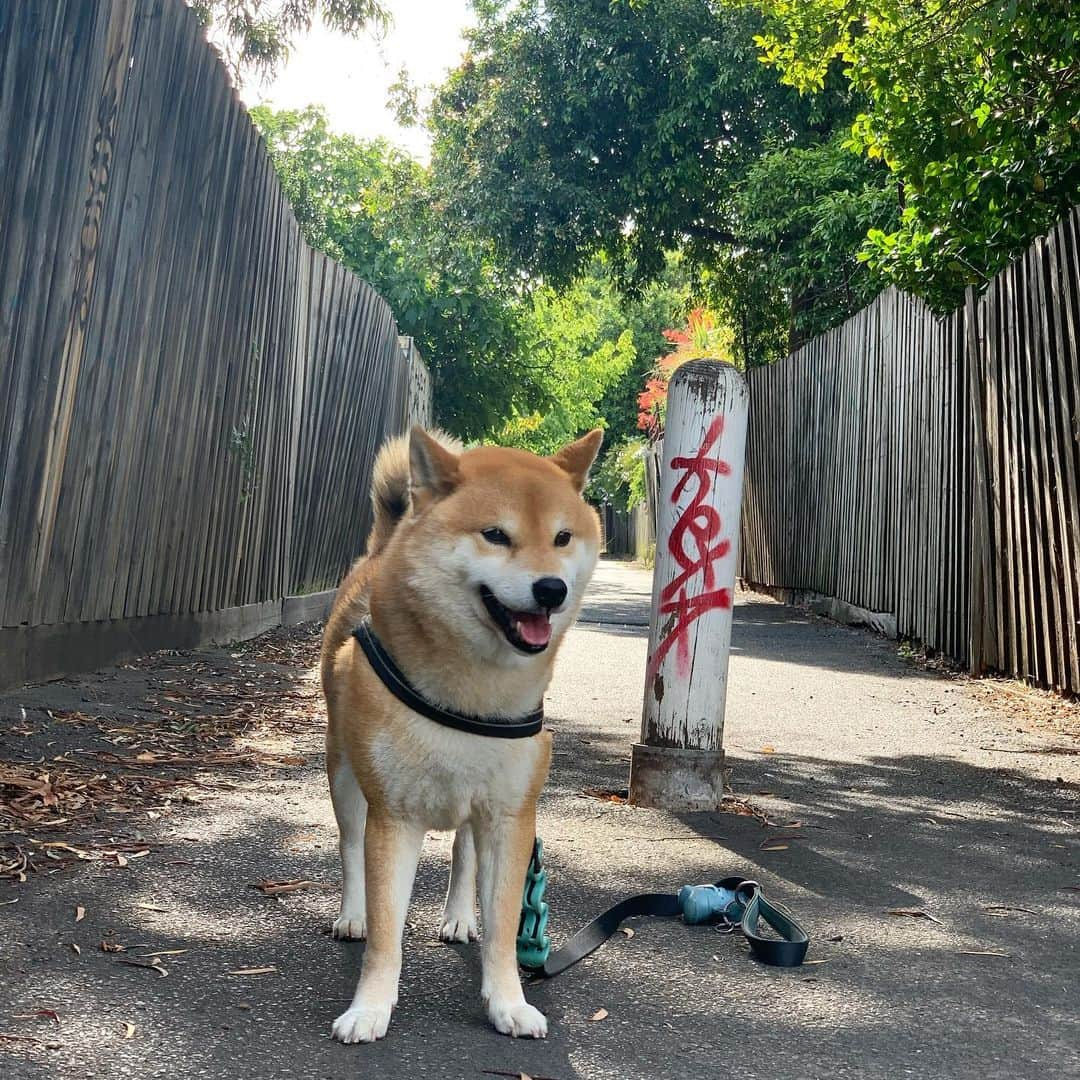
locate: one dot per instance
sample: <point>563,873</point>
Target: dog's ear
<point>576,458</point>
<point>433,469</point>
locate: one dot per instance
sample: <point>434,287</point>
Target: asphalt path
<point>927,845</point>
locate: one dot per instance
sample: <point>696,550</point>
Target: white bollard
<point>679,763</point>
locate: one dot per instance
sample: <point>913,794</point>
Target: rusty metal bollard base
<point>670,778</point>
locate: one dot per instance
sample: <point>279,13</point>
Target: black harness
<point>393,678</point>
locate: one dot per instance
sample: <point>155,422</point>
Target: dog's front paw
<point>517,1019</point>
<point>349,929</point>
<point>363,1023</point>
<point>459,927</point>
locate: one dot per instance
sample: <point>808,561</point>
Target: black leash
<point>788,951</point>
<point>734,903</point>
<point>393,678</point>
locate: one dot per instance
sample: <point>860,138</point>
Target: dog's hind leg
<point>459,915</point>
<point>350,809</point>
<point>503,846</point>
<point>392,849</point>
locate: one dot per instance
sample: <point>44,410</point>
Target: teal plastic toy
<point>533,943</point>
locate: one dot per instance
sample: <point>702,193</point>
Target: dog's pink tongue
<point>534,629</point>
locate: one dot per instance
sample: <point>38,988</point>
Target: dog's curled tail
<point>390,486</point>
<point>389,491</point>
<point>390,481</point>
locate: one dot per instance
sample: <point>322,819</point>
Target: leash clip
<point>732,916</point>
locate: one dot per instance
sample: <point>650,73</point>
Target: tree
<point>578,126</point>
<point>703,337</point>
<point>373,208</point>
<point>578,363</point>
<point>256,35</point>
<point>973,106</point>
<point>810,209</point>
<point>590,344</point>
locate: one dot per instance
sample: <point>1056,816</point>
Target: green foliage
<point>743,289</point>
<point>530,367</point>
<point>373,208</point>
<point>588,345</point>
<point>256,35</point>
<point>620,478</point>
<point>811,207</point>
<point>646,313</point>
<point>578,354</point>
<point>578,126</point>
<point>973,106</point>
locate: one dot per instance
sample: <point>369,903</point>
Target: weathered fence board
<point>928,468</point>
<point>190,397</point>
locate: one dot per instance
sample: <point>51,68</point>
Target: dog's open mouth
<point>529,631</point>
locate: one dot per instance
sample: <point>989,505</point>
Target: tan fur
<point>397,774</point>
<point>390,502</point>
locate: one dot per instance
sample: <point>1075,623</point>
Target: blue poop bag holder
<point>734,903</point>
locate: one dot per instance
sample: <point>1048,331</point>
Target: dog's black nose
<point>550,592</point>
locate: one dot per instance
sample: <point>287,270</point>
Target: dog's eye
<point>563,538</point>
<point>495,536</point>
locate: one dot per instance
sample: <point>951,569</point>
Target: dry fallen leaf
<point>152,964</point>
<point>277,888</point>
<point>151,907</point>
<point>627,931</point>
<point>774,847</point>
<point>78,951</point>
<point>513,1075</point>
<point>39,1014</point>
<point>605,795</point>
<point>113,946</point>
<point>600,1014</point>
<point>253,971</point>
<point>129,1029</point>
<point>80,913</point>
<point>913,913</point>
<point>768,749</point>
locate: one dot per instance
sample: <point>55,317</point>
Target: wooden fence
<point>926,469</point>
<point>190,397</point>
<point>628,534</point>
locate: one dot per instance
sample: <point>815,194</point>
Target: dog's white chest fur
<point>442,777</point>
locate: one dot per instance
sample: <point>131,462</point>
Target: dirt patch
<point>1030,710</point>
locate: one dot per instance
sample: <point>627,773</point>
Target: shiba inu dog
<point>476,565</point>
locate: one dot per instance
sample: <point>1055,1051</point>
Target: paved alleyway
<point>883,766</point>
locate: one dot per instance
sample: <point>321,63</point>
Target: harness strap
<point>787,952</point>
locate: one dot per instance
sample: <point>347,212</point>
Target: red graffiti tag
<point>702,523</point>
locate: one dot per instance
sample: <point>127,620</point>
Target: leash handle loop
<point>790,949</point>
